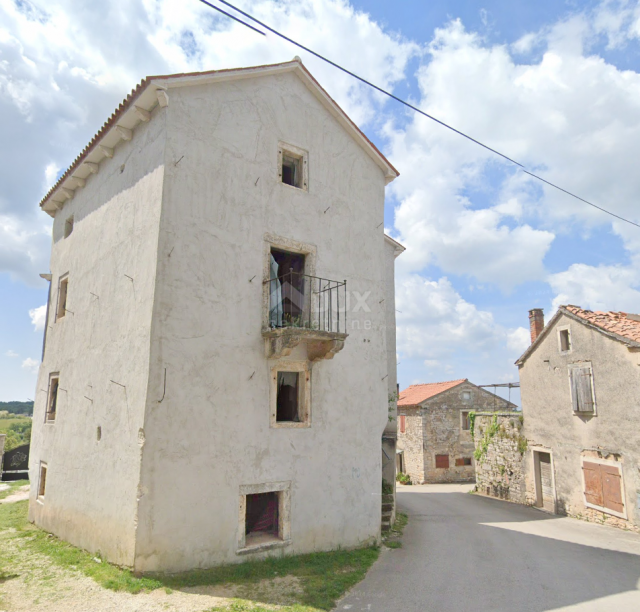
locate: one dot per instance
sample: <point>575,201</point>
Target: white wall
<point>91,486</point>
<point>211,433</point>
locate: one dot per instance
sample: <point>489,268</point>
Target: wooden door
<point>545,493</point>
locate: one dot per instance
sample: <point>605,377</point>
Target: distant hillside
<point>17,407</point>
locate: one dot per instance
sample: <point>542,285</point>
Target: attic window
<point>565,340</point>
<point>293,166</point>
<point>68,227</point>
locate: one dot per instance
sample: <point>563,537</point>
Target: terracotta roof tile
<point>620,323</point>
<point>416,394</point>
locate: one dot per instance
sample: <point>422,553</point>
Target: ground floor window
<point>265,511</point>
<point>42,483</point>
<point>463,461</point>
<point>603,487</point>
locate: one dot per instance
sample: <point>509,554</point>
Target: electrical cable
<point>407,104</point>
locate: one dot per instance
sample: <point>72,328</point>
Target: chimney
<point>536,323</point>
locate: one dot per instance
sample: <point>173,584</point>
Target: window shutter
<point>573,376</point>
<point>442,461</point>
<point>402,423</point>
<point>586,390</point>
<point>593,483</point>
<point>612,488</point>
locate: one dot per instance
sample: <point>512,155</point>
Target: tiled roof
<point>619,323</point>
<point>416,394</point>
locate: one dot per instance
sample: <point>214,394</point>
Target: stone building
<point>212,387</point>
<point>580,384</point>
<point>434,429</point>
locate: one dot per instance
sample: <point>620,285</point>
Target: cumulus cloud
<point>598,287</point>
<point>566,114</point>
<point>38,317</point>
<point>11,354</point>
<point>31,365</point>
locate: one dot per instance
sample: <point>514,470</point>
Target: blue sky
<point>555,85</point>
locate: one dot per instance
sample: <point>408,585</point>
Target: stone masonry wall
<point>499,455</point>
<point>412,442</point>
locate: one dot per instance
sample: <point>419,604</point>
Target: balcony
<point>309,309</point>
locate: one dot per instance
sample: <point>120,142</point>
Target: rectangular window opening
<point>442,461</point>
<point>466,423</point>
<point>403,423</point>
<point>565,340</point>
<point>68,227</point>
<point>287,289</point>
<point>43,481</point>
<point>52,400</point>
<point>288,399</point>
<point>262,520</point>
<point>62,297</point>
<point>291,170</point>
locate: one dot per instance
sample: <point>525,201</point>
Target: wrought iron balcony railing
<point>307,302</point>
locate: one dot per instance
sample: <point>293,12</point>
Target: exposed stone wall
<point>499,450</point>
<point>412,443</point>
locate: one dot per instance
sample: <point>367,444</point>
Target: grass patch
<point>13,486</point>
<point>392,540</point>
<point>323,577</point>
<point>6,422</point>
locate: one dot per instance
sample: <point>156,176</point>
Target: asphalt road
<point>467,553</point>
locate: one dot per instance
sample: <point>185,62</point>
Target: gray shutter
<point>574,376</point>
<point>586,390</point>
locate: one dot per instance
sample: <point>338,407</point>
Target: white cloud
<point>38,317</point>
<point>31,364</point>
<point>598,287</point>
<point>11,353</point>
<point>568,115</point>
<point>518,340</point>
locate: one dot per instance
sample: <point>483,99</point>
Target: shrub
<point>404,479</point>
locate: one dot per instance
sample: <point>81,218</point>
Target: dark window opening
<point>288,397</point>
<point>53,400</point>
<point>262,515</point>
<point>68,226</point>
<point>286,290</point>
<point>291,170</point>
<point>461,461</point>
<point>565,340</point>
<point>442,461</point>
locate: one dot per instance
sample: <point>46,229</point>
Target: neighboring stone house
<point>580,384</point>
<point>220,345</point>
<point>434,429</point>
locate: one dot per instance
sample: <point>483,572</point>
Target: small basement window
<point>68,227</point>
<point>565,340</point>
<point>466,421</point>
<point>42,483</point>
<point>262,518</point>
<point>52,399</point>
<point>292,166</point>
<point>63,288</point>
<point>442,461</point>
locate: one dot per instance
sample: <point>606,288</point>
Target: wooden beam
<point>91,167</point>
<point>163,98</point>
<point>106,151</point>
<point>80,182</point>
<point>143,114</point>
<point>125,133</point>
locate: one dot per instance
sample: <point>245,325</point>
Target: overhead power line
<point>405,103</point>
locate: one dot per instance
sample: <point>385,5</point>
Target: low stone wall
<point>499,455</point>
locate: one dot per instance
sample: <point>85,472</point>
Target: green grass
<point>323,577</point>
<point>393,538</point>
<point>6,422</point>
<point>16,484</point>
